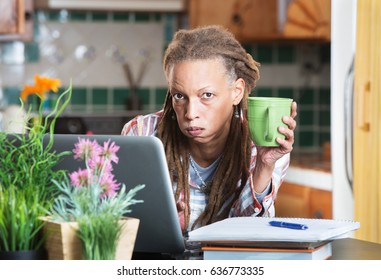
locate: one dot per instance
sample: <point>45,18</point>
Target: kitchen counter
<point>97,122</point>
<point>104,113</point>
<point>311,170</point>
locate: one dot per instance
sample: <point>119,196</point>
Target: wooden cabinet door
<point>320,206</point>
<point>12,16</point>
<point>249,20</point>
<point>367,121</point>
<point>292,201</point>
<point>16,20</point>
<point>301,201</point>
<point>260,20</point>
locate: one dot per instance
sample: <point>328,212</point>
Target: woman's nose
<point>191,110</point>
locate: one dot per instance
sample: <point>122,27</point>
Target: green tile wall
<point>79,97</point>
<point>264,54</point>
<point>306,117</point>
<point>313,120</point>
<point>144,97</point>
<point>324,96</point>
<point>13,95</point>
<point>306,138</point>
<point>285,92</point>
<point>286,54</point>
<point>32,52</point>
<point>142,17</point>
<point>263,92</point>
<point>160,93</point>
<point>99,96</point>
<point>78,16</point>
<point>119,96</point>
<point>306,96</point>
<point>121,17</point>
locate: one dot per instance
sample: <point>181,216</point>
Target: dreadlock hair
<point>205,43</point>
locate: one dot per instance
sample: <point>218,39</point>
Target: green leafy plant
<point>27,170</point>
<point>93,199</point>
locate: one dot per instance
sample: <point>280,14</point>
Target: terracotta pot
<point>62,242</point>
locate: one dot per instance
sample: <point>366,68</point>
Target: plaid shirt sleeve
<point>247,204</point>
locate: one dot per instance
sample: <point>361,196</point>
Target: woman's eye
<point>178,96</point>
<point>207,95</point>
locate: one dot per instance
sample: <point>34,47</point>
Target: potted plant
<point>26,174</point>
<point>87,220</point>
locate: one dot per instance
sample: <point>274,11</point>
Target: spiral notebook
<point>257,232</point>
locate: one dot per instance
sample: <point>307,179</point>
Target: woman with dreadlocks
<point>216,169</point>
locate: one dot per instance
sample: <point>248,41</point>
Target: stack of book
<point>321,252</point>
<point>263,238</point>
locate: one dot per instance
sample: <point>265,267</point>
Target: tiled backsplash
<point>90,49</point>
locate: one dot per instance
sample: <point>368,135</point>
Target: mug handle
<point>270,124</point>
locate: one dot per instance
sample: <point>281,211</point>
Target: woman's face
<point>203,98</point>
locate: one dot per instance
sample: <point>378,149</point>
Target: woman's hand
<point>269,155</point>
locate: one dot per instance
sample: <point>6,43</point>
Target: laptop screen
<point>141,161</point>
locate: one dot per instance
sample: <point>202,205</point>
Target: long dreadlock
<point>233,171</point>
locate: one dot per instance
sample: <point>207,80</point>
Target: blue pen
<point>287,225</point>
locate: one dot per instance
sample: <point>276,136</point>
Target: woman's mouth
<point>194,130</point>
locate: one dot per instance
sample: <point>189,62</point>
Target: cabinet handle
<point>363,108</point>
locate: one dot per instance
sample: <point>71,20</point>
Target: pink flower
<point>109,185</point>
<point>99,166</point>
<point>80,178</point>
<point>85,149</point>
<point>110,150</point>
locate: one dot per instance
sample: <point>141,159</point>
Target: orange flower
<point>41,86</point>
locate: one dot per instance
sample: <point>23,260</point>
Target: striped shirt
<point>248,203</point>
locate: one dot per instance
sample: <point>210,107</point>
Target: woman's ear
<point>238,91</point>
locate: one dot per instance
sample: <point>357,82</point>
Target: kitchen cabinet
<point>294,200</point>
<point>248,19</point>
<point>258,20</point>
<point>12,19</point>
<point>16,20</point>
<point>367,121</point>
<point>308,19</point>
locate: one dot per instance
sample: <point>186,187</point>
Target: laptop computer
<point>141,161</point>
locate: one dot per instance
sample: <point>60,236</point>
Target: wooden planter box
<point>62,242</point>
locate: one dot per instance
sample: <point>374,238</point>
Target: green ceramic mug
<point>265,116</point>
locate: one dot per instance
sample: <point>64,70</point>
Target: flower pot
<point>62,242</point>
